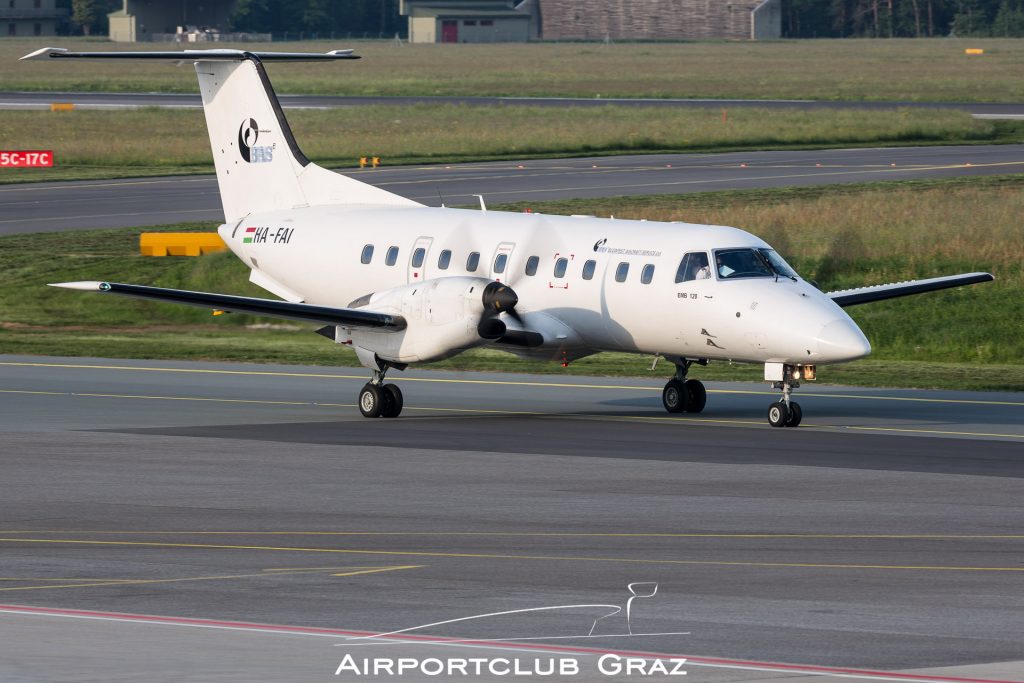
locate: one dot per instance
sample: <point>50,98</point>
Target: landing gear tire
<point>675,397</point>
<point>778,414</point>
<point>393,400</point>
<point>696,396</point>
<point>795,414</point>
<point>372,401</point>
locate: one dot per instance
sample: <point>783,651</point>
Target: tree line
<point>902,18</point>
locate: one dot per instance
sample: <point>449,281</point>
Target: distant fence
<point>211,37</point>
<point>267,37</point>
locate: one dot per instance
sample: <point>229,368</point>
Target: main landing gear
<point>377,399</point>
<point>682,395</point>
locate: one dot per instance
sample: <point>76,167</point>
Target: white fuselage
<point>314,254</point>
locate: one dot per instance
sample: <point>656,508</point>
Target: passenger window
<point>560,266</point>
<point>531,265</point>
<point>367,254</point>
<point>647,274</point>
<point>417,257</point>
<point>444,259</point>
<point>588,269</point>
<point>473,262</point>
<point>694,266</point>
<point>499,263</point>
<point>621,272</point>
<point>392,257</point>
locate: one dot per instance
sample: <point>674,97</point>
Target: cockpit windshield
<point>731,264</point>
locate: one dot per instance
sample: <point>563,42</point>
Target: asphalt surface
<point>884,534</point>
<point>49,207</point>
<point>43,100</point>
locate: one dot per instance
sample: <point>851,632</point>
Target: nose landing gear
<point>786,413</point>
<point>377,399</point>
<point>682,395</point>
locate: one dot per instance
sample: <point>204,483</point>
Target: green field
<point>170,141</point>
<point>965,338</point>
<point>902,69</point>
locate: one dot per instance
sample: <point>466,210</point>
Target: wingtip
<point>42,53</point>
<point>83,285</point>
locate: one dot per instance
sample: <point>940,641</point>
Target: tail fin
<point>259,165</point>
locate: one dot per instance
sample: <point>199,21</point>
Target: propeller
<point>525,248</point>
<point>497,299</point>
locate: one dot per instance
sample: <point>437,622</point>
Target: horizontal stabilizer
<point>863,295</point>
<point>345,317</point>
<point>193,55</point>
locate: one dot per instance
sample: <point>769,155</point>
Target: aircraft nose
<point>842,340</point>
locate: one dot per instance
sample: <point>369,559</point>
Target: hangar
<point>146,20</point>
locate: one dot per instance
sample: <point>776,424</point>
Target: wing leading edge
<point>863,295</point>
<point>345,317</point>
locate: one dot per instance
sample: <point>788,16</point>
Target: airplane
<point>403,283</point>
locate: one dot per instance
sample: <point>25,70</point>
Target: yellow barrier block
<point>974,51</point>
<point>62,106</point>
<point>180,243</point>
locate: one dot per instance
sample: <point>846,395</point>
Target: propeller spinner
<point>497,299</point>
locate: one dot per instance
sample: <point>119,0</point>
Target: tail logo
<point>248,134</point>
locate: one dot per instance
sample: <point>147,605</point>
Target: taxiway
<point>59,206</point>
<point>884,534</point>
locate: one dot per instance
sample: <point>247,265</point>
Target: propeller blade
<point>499,298</point>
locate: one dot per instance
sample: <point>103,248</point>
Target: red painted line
<point>710,661</point>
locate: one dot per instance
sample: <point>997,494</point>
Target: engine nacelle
<point>445,316</point>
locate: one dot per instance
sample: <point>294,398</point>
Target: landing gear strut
<point>785,413</point>
<point>377,399</point>
<point>682,395</point>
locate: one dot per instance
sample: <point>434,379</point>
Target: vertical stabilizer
<point>259,165</point>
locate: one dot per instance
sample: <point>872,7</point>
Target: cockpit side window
<point>694,266</point>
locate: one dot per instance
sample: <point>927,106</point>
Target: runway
<point>108,101</point>
<point>884,535</point>
<point>59,206</point>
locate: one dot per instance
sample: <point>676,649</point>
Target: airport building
<point>441,21</point>
<point>184,21</point>
<point>661,19</point>
<point>479,21</point>
<point>31,17</point>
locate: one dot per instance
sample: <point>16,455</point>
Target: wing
<point>346,317</point>
<point>220,55</point>
<point>863,295</point>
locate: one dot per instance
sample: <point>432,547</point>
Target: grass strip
<point>154,141</point>
<point>927,70</point>
<point>843,237</point>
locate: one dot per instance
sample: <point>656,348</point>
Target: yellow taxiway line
<point>443,380</point>
<point>93,583</point>
<point>497,556</point>
<point>523,534</point>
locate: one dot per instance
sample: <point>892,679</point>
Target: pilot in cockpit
<point>703,270</point>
